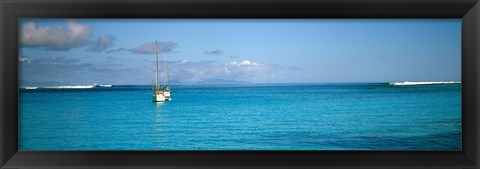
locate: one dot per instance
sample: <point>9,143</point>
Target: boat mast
<point>166,65</point>
<point>164,70</point>
<point>156,70</point>
<point>166,76</point>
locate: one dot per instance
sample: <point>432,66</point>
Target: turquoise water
<point>375,116</point>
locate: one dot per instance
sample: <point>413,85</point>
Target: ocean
<point>351,116</point>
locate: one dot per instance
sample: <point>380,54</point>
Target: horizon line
<point>244,83</point>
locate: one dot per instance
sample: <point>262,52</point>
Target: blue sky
<point>121,51</point>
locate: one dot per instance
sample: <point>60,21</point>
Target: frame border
<point>12,10</point>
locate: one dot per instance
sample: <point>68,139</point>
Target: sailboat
<point>157,96</point>
<point>166,88</point>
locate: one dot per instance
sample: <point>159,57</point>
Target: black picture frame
<point>12,10</point>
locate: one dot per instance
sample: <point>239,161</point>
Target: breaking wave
<point>66,87</point>
<point>422,83</point>
<point>30,88</point>
<point>103,85</point>
<point>70,87</point>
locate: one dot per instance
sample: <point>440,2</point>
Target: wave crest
<point>421,83</point>
<point>65,87</point>
<point>70,87</point>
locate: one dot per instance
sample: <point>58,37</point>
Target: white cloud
<point>148,48</point>
<point>246,69</point>
<point>197,71</point>
<point>73,71</point>
<point>59,69</point>
<point>102,43</point>
<point>213,52</point>
<point>55,37</point>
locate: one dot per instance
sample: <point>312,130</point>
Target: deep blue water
<point>244,117</point>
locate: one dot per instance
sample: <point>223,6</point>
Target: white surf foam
<point>421,83</point>
<point>104,85</point>
<point>66,87</point>
<point>70,87</point>
<point>31,88</point>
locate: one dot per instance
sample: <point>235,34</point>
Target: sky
<point>122,51</point>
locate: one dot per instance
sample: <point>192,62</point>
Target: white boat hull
<point>167,95</point>
<point>158,98</point>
